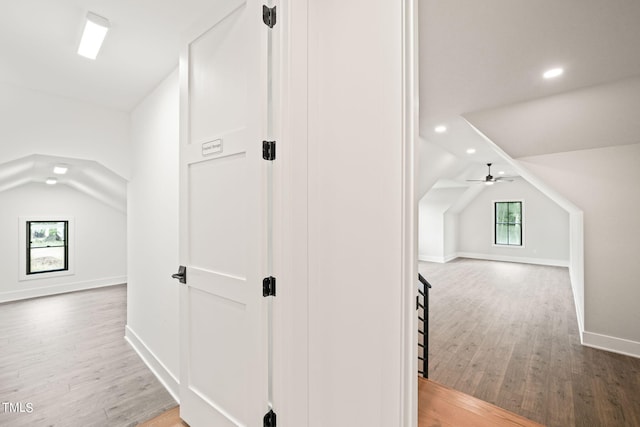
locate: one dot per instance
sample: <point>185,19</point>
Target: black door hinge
<point>269,286</point>
<point>270,419</point>
<point>269,16</point>
<point>269,150</point>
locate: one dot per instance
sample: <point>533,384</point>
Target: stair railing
<point>422,306</point>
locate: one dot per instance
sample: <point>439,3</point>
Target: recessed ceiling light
<point>554,72</point>
<point>95,30</point>
<point>51,181</point>
<point>471,150</point>
<point>440,129</point>
<point>60,169</point>
<point>501,172</point>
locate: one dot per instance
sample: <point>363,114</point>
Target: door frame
<point>291,309</point>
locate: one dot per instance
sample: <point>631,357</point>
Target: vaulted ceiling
<point>481,62</point>
<point>85,176</point>
<point>39,40</point>
<point>38,44</point>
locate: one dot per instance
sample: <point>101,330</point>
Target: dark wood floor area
<point>66,356</point>
<point>507,334</point>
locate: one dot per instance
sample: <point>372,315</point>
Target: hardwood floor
<point>441,406</point>
<point>507,334</point>
<point>171,418</point>
<point>66,356</point>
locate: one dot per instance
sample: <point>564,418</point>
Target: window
<point>47,246</point>
<point>508,223</point>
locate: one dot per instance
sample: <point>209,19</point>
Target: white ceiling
<point>39,39</point>
<point>38,44</point>
<point>483,60</point>
<point>85,176</point>
<point>480,61</point>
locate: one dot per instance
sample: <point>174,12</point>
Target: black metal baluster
<point>425,325</point>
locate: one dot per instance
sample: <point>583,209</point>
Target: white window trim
<point>493,224</point>
<point>22,265</point>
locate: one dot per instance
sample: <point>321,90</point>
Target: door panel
<point>211,365</point>
<point>223,191</point>
<point>219,182</point>
<point>218,77</point>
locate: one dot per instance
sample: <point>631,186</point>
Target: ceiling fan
<point>490,179</point>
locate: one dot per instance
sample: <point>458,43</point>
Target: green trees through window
<point>508,223</point>
<point>47,246</point>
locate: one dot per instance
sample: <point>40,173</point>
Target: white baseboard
<point>168,380</point>
<point>506,258</point>
<point>438,259</point>
<point>60,289</point>
<point>613,344</point>
<point>576,286</point>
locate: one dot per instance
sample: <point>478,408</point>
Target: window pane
<point>47,259</point>
<point>502,212</point>
<point>515,214</point>
<point>47,234</point>
<point>514,234</point>
<point>502,234</point>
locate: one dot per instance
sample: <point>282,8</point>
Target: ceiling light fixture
<point>501,172</point>
<point>554,72</point>
<point>51,181</point>
<point>471,150</point>
<point>440,129</point>
<point>60,169</point>
<point>95,30</point>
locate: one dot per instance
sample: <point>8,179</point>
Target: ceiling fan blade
<point>475,180</point>
<point>503,179</point>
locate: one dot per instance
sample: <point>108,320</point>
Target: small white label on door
<point>212,147</point>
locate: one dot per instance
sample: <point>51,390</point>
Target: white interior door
<point>223,226</point>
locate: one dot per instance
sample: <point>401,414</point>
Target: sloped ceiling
<point>595,117</point>
<point>482,62</point>
<point>38,43</point>
<point>88,177</point>
<point>39,40</point>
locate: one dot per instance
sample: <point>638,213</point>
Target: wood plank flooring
<point>441,406</point>
<point>66,356</point>
<point>171,418</point>
<point>507,334</point>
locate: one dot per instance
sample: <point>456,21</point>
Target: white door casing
<point>224,191</point>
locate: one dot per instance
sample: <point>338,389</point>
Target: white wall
<point>33,122</point>
<point>545,233</point>
<point>436,229</point>
<point>355,226</point>
<point>450,240</point>
<point>152,310</point>
<point>604,183</point>
<point>99,241</point>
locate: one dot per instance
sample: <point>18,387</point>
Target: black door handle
<point>181,275</point>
